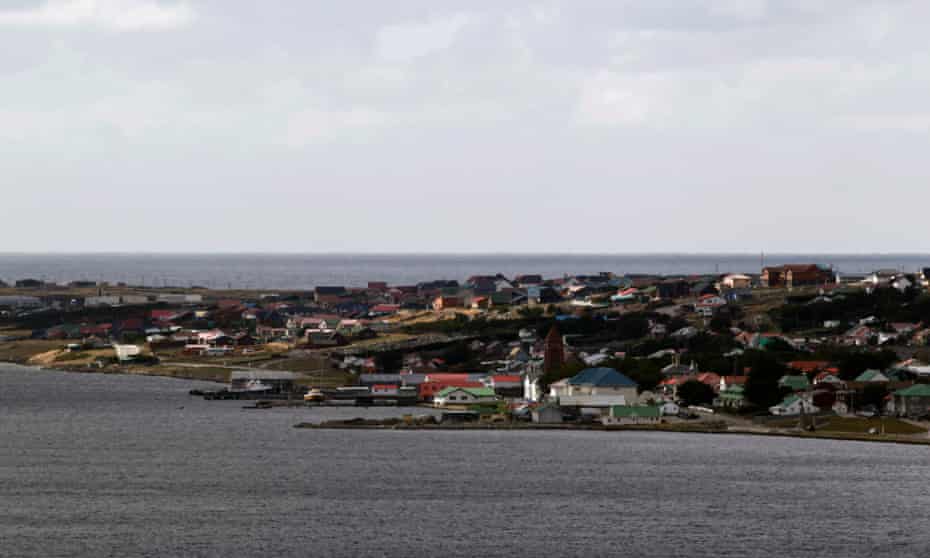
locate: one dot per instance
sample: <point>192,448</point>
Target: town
<point>791,348</point>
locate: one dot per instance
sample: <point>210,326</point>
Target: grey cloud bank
<point>681,126</point>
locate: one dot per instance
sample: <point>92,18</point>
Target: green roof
<point>733,393</point>
<point>869,376</point>
<point>635,411</point>
<point>794,382</point>
<point>916,390</point>
<point>475,391</point>
<point>788,401</point>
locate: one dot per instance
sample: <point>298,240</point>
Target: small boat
<point>315,395</point>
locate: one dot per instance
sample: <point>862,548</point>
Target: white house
<point>736,281</point>
<point>595,388</point>
<point>464,396</point>
<point>708,304</point>
<point>793,405</point>
<point>125,353</point>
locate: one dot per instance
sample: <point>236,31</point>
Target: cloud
<point>409,41</point>
<point>115,15</point>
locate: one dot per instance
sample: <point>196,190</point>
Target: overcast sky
<point>479,126</point>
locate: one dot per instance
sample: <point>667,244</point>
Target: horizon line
<point>450,253</point>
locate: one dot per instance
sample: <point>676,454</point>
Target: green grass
<point>857,425</point>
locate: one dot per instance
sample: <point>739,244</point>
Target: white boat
<point>315,395</point>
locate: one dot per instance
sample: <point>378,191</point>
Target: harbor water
<point>106,465</point>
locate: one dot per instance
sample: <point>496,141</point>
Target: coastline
<point>660,428</point>
<point>113,372</point>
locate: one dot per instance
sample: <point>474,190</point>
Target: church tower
<point>554,353</point>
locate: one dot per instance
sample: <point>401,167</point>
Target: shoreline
<point>674,429</point>
<point>106,372</point>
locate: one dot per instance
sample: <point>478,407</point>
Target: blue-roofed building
<point>599,388</point>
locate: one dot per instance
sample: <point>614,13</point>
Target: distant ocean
<point>306,271</point>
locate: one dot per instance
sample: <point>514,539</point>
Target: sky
<point>615,126</point>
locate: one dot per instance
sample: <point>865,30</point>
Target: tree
<point>694,392</point>
<point>721,323</point>
<point>873,394</point>
<point>762,387</point>
<point>647,373</point>
<point>567,370</point>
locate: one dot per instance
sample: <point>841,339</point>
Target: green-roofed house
<point>913,401</point>
<point>733,397</point>
<point>464,396</point>
<point>873,376</point>
<point>796,383</point>
<point>633,414</point>
<point>793,405</point>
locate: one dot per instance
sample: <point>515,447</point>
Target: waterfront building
<point>596,388</point>
<point>464,396</point>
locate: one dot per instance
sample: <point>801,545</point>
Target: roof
<point>808,365</point>
<point>601,377</point>
<point>916,390</point>
<point>788,401</point>
<point>634,411</point>
<point>794,382</point>
<point>506,379</point>
<point>733,393</point>
<point>735,380</point>
<point>871,376</point>
<point>474,391</point>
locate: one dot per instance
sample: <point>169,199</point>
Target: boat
<point>252,386</point>
<point>315,395</point>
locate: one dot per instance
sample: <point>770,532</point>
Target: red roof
<point>506,379</point>
<point>735,380</point>
<point>808,366</point>
<point>447,377</point>
<point>385,308</point>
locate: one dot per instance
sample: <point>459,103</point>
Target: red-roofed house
<point>434,383</point>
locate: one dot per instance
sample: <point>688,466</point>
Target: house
<point>735,281</point>
<point>214,338</point>
<point>531,280</point>
<point>733,397</point>
<point>829,377</point>
<point>708,304</point>
<point>795,275</point>
<point>126,353</point>
<point>384,309</point>
<point>727,382</point>
<point>325,339</point>
<point>329,295</point>
<point>632,414</point>
<point>464,396</point>
<point>595,387</point>
<point>432,384</point>
<point>547,413</point>
<point>793,405</point>
<point>443,302</point>
<point>505,385</point>
<point>913,401</point>
<point>668,408</point>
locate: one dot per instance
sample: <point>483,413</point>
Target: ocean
<point>245,271</point>
<point>96,465</point>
